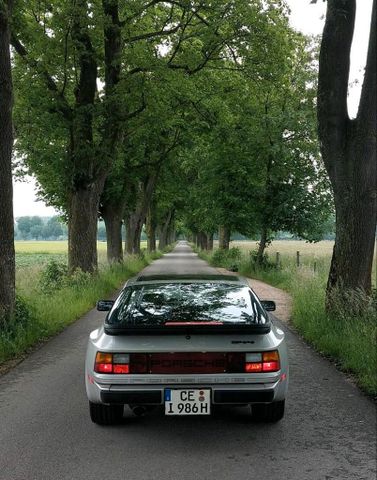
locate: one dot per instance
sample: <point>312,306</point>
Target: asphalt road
<point>328,431</point>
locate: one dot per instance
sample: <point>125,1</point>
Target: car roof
<point>186,278</point>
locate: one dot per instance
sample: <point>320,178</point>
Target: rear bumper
<point>221,394</point>
<point>150,397</point>
<point>235,389</point>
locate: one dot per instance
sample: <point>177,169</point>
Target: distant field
<point>310,253</point>
<point>47,247</point>
<point>37,254</point>
<point>290,247</point>
<point>53,247</point>
<point>32,257</point>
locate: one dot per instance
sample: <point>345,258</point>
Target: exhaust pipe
<point>139,410</point>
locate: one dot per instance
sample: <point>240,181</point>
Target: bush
<point>229,259</point>
<point>77,279</point>
<point>53,276</point>
<point>22,319</point>
<point>236,261</point>
<point>263,264</point>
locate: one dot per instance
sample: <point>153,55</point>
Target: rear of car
<point>186,344</point>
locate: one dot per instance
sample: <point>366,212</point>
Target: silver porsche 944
<point>187,344</point>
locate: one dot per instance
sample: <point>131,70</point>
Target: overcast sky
<point>306,17</point>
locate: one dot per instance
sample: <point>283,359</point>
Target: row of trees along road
<point>184,114</point>
<point>36,228</point>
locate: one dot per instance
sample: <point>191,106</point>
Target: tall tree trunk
<point>202,240</point>
<point>224,237</point>
<point>151,229</point>
<point>138,228</point>
<point>171,234</point>
<point>87,185</point>
<point>136,219</point>
<point>163,240</point>
<point>151,238</point>
<point>348,149</point>
<point>134,226</point>
<point>210,241</point>
<point>82,228</point>
<point>7,256</point>
<point>262,246</point>
<point>113,218</point>
<point>129,235</point>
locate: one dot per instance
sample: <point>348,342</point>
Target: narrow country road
<point>46,434</point>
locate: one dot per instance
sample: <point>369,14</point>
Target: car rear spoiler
<point>189,330</point>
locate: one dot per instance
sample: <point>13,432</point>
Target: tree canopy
<point>190,115</point>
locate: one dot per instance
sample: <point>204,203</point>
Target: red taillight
<point>270,362</point>
<point>271,366</point>
<point>104,368</point>
<point>253,367</point>
<point>121,369</point>
<point>116,363</point>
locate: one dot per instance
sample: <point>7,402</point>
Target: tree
<point>30,227</point>
<point>66,49</point>
<point>23,226</point>
<point>294,194</point>
<point>255,164</point>
<point>348,148</point>
<point>76,131</point>
<point>7,255</point>
<point>36,232</point>
<point>53,228</point>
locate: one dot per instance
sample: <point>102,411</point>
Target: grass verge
<point>347,338</point>
<point>41,314</point>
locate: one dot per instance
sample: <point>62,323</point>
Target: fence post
<point>298,258</point>
<point>277,259</point>
<point>315,266</point>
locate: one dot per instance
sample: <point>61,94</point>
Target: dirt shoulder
<point>266,292</point>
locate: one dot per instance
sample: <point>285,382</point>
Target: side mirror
<point>105,305</point>
<point>268,305</point>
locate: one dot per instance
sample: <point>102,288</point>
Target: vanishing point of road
<point>328,432</point>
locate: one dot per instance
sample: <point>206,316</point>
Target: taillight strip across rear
<point>187,363</point>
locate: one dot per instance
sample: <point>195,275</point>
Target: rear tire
<point>268,412</point>
<point>105,414</point>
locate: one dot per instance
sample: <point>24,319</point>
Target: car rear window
<point>166,305</point>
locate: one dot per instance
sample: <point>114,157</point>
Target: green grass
<point>26,260</point>
<point>42,315</point>
<point>349,339</point>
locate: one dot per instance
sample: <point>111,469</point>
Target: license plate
<point>187,402</point>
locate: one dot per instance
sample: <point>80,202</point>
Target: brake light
<point>104,368</point>
<point>262,362</point>
<point>116,363</point>
<point>121,369</point>
<point>253,367</point>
